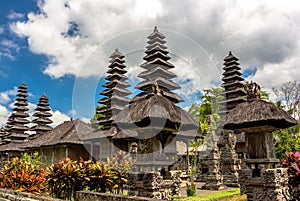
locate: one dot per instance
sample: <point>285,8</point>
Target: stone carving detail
<point>153,185</point>
<point>253,91</point>
<point>213,180</point>
<point>272,185</point>
<point>229,161</point>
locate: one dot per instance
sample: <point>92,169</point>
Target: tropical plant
<point>292,162</point>
<point>120,165</point>
<point>65,178</point>
<point>94,120</point>
<point>209,107</point>
<point>21,175</point>
<point>287,140</point>
<point>34,158</point>
<point>99,177</point>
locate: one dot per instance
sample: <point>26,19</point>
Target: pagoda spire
<point>232,83</point>
<point>115,93</point>
<point>157,75</point>
<point>42,114</point>
<point>17,121</point>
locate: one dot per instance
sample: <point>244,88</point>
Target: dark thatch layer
<point>11,147</point>
<point>257,113</point>
<point>69,132</point>
<point>155,106</point>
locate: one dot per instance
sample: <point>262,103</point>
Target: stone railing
<point>91,196</point>
<point>11,195</point>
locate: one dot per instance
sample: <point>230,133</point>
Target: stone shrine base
<point>271,185</point>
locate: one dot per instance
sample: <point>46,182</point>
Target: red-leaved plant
<point>292,162</point>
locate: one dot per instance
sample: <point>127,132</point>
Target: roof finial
<point>253,91</point>
<point>230,54</point>
<point>155,29</point>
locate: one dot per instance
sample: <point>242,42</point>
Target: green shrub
<point>65,178</point>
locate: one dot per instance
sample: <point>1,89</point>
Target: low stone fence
<point>11,195</point>
<point>93,196</point>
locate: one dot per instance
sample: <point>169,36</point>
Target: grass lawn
<point>230,195</point>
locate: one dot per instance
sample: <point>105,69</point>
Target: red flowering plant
<point>292,162</point>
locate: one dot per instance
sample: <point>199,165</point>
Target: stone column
<point>229,161</point>
<point>213,180</point>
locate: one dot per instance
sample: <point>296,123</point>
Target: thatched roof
<point>154,107</point>
<point>11,147</point>
<point>69,132</point>
<point>257,113</point>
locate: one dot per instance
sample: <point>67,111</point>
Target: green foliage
<point>190,190</point>
<point>207,112</point>
<point>21,175</point>
<point>35,158</point>
<point>227,195</point>
<point>99,177</point>
<point>120,165</point>
<point>287,140</point>
<point>96,117</point>
<point>195,145</point>
<point>65,178</point>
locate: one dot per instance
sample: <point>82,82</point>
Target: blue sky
<point>61,47</point>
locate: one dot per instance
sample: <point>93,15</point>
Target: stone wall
<point>92,196</point>
<point>11,195</point>
<point>272,185</point>
<point>154,185</point>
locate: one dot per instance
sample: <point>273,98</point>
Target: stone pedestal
<point>229,161</point>
<point>153,185</point>
<point>272,185</point>
<point>213,180</point>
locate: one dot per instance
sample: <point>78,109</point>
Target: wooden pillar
<point>187,155</point>
<point>53,155</point>
<point>67,151</point>
<point>92,150</point>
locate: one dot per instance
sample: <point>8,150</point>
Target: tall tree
<point>209,106</point>
<point>288,94</point>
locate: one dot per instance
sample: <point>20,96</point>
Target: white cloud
<point>72,112</point>
<point>5,95</point>
<point>58,118</point>
<point>199,35</point>
<point>8,48</point>
<point>1,30</point>
<point>86,120</point>
<point>3,115</point>
<point>14,15</point>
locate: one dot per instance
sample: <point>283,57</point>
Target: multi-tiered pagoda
<point>233,83</point>
<point>152,121</point>
<point>18,119</point>
<point>233,91</point>
<point>42,114</point>
<point>157,74</point>
<point>115,95</point>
